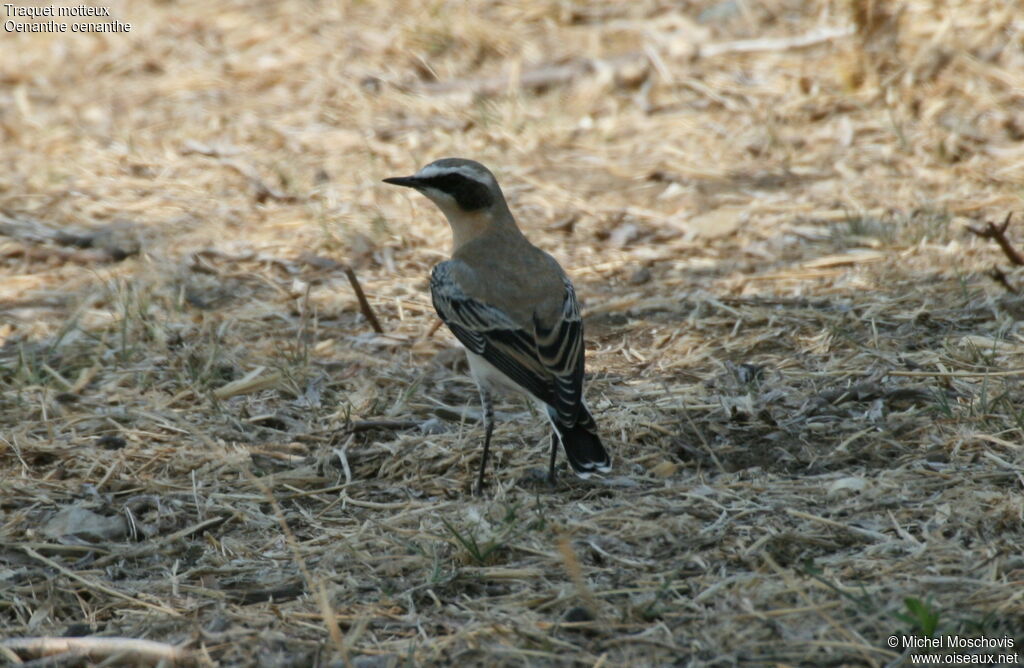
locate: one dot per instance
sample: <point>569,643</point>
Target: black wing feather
<point>547,362</point>
<point>560,349</point>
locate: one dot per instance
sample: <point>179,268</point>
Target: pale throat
<point>468,226</point>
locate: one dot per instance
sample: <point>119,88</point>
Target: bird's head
<point>456,185</point>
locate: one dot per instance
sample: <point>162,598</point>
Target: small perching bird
<point>513,308</point>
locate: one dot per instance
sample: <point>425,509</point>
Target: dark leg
<point>554,454</point>
<point>485,399</point>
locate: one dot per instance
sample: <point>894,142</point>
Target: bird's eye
<point>468,193</point>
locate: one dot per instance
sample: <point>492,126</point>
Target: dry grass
<point>811,384</point>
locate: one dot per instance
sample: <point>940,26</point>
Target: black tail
<point>582,445</point>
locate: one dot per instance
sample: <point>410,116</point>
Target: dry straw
<point>807,366</point>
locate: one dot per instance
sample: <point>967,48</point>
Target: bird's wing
<point>560,350</point>
<point>534,360</point>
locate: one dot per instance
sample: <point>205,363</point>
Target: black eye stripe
<point>469,194</point>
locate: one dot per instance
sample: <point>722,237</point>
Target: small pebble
<point>578,614</point>
<point>640,276</point>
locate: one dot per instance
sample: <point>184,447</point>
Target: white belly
<point>488,376</point>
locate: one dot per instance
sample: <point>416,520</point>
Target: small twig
<point>367,425</point>
<point>331,622</point>
<point>146,651</point>
<point>251,382</point>
<point>340,644</point>
<point>999,277</point>
<point>327,264</point>
<point>153,546</point>
<point>540,78</point>
<point>956,374</point>
<point>704,441</point>
<point>433,328</point>
<point>866,533</point>
<point>96,586</point>
<point>44,254</point>
<point>575,571</point>
<point>261,191</point>
<point>364,305</point>
<point>808,39</point>
<point>998,233</point>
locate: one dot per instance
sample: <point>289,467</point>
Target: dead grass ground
<point>811,384</point>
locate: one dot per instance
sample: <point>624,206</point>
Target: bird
<point>514,310</point>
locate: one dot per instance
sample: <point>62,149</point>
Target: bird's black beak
<point>407,181</point>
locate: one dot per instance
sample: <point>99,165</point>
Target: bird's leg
<point>554,453</point>
<point>485,399</point>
